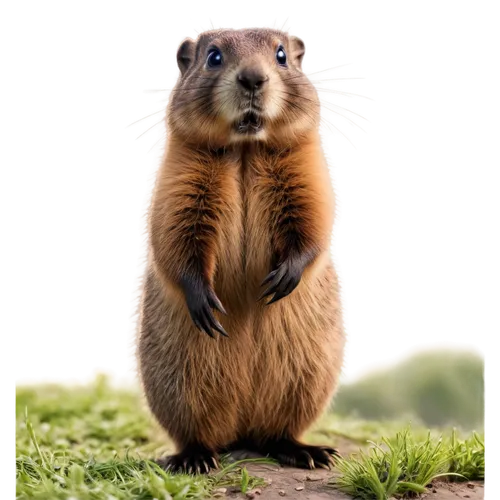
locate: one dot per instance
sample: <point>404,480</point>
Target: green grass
<point>52,476</point>
<point>404,465</point>
<point>94,443</point>
<point>97,442</point>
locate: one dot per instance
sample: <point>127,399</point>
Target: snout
<point>252,79</point>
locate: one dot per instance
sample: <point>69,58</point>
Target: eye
<point>214,58</point>
<point>281,56</point>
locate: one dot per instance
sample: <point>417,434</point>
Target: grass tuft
<point>403,466</point>
<point>467,456</point>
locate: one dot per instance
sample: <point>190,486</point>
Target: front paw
<point>284,279</point>
<point>200,300</point>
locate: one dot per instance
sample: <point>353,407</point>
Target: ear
<point>298,50</point>
<point>185,54</point>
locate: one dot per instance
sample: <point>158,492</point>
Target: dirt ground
<point>294,484</point>
<point>298,484</point>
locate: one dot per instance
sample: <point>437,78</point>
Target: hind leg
<point>199,416</point>
<point>300,349</point>
<point>191,420</point>
<point>193,383</point>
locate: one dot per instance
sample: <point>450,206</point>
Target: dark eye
<point>281,56</point>
<point>214,58</point>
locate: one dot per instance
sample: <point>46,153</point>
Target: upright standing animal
<point>241,214</point>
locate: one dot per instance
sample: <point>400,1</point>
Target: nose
<point>252,79</point>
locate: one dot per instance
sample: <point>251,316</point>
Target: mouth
<point>251,123</point>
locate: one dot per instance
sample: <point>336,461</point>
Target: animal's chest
<point>245,252</point>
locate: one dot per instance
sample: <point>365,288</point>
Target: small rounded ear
<point>298,50</point>
<point>185,54</point>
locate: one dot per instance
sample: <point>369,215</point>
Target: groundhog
<point>240,340</point>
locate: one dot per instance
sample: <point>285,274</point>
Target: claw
<point>205,323</point>
<point>208,331</point>
<point>310,461</point>
<point>190,461</point>
<point>214,324</point>
<point>220,329</point>
<point>200,300</point>
<point>202,327</point>
<point>281,283</point>
<point>269,277</point>
<point>217,326</point>
<point>268,291</point>
<point>332,452</point>
<point>216,303</point>
<point>277,296</point>
<point>291,285</point>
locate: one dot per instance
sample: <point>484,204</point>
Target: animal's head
<point>242,85</point>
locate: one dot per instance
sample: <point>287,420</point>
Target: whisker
<point>140,119</point>
<point>298,106</point>
<point>349,120</point>
<point>297,95</point>
<point>157,90</point>
<point>153,147</point>
<point>338,108</point>
<point>341,92</point>
<point>344,78</point>
<point>329,69</point>
<point>334,128</point>
<point>147,131</point>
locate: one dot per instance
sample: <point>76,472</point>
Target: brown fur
<point>225,212</point>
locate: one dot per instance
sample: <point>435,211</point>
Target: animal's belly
<point>299,345</point>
